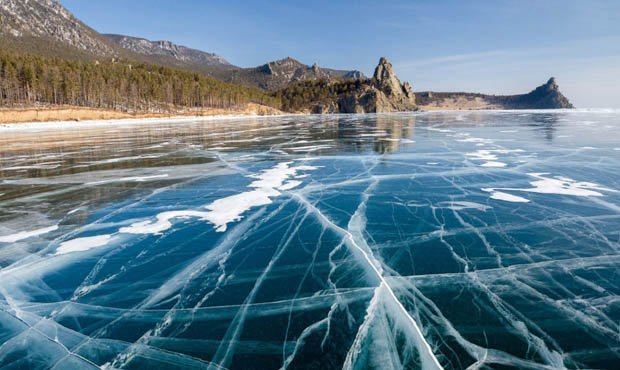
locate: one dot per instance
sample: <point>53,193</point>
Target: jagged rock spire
<point>386,81</point>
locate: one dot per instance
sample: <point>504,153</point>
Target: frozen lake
<point>482,240</point>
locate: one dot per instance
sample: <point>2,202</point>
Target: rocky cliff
<point>382,93</point>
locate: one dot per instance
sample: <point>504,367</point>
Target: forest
<point>28,80</point>
<point>302,95</point>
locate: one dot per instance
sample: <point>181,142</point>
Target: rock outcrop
<point>383,93</point>
<point>546,96</point>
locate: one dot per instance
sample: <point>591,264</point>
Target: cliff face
<point>383,93</point>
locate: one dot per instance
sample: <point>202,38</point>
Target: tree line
<point>302,95</point>
<point>27,80</point>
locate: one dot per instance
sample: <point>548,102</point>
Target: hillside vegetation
<point>27,80</point>
<point>307,94</point>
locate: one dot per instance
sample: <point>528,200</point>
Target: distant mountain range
<point>48,28</point>
<point>280,73</point>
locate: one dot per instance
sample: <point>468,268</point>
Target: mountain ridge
<point>181,53</point>
<point>281,72</point>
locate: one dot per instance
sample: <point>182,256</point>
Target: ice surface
<point>450,240</point>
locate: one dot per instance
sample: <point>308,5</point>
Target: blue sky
<point>495,46</point>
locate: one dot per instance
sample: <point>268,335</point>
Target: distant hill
<point>278,74</point>
<point>545,96</point>
<point>185,56</point>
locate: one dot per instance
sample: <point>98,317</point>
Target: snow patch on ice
<point>12,238</point>
<point>560,185</point>
<point>83,244</point>
<point>310,148</point>
<point>126,159</point>
<point>564,186</point>
<point>482,154</point>
<point>290,185</point>
<point>73,211</point>
<point>499,195</point>
<point>476,140</point>
<point>129,179</point>
<point>461,205</point>
<point>438,129</point>
<point>493,164</point>
<point>162,223</point>
<point>229,209</point>
<point>39,166</point>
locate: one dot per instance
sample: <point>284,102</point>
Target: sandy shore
<point>78,114</point>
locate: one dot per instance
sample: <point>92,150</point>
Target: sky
<point>494,46</point>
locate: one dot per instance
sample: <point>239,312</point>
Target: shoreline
<point>63,125</point>
<point>182,118</point>
<point>76,114</point>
